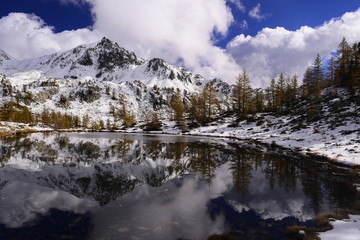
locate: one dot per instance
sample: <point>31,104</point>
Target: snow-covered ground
<point>320,140</point>
<point>343,229</point>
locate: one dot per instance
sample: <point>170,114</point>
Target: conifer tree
<point>317,76</point>
<point>153,122</point>
<point>95,126</point>
<point>108,124</point>
<point>211,102</point>
<point>192,109</point>
<point>127,115</point>
<point>204,105</point>
<point>259,100</point>
<point>46,117</point>
<point>343,58</point>
<point>354,80</point>
<point>271,95</point>
<point>86,121</point>
<point>13,112</point>
<point>242,94</point>
<point>63,101</point>
<point>280,91</point>
<point>314,78</point>
<point>331,72</point>
<point>177,106</point>
<point>102,124</point>
<point>113,112</point>
<point>293,89</point>
<point>77,121</point>
<point>307,81</point>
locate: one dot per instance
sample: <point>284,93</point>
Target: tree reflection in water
<point>248,190</point>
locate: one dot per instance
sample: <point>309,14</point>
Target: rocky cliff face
<point>105,57</point>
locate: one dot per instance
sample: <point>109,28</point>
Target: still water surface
<point>124,186</point>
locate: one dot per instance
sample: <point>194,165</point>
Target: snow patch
<point>344,229</point>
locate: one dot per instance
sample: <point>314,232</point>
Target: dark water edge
<point>163,172</point>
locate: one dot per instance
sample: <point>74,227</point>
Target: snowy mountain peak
<point>105,60</point>
<point>161,69</point>
<point>106,43</point>
<point>157,63</point>
<point>111,55</point>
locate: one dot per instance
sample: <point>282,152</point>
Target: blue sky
<point>290,14</point>
<point>262,36</point>
<point>54,13</point>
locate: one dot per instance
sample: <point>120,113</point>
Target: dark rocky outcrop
<point>110,55</point>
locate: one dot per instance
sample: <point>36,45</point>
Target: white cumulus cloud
<point>178,31</point>
<point>275,51</point>
<point>26,36</point>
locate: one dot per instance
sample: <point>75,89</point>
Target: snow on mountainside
<point>107,61</point>
<point>5,58</point>
<point>90,80</point>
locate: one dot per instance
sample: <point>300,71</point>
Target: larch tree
<point>258,100</point>
<point>86,121</point>
<point>204,105</point>
<point>307,81</point>
<point>330,72</point>
<point>293,88</point>
<point>177,105</point>
<point>192,109</point>
<point>343,59</point>
<point>125,113</point>
<point>271,95</point>
<point>280,91</point>
<point>153,122</point>
<point>314,78</point>
<point>209,103</point>
<point>317,76</point>
<point>242,95</point>
<point>354,81</point>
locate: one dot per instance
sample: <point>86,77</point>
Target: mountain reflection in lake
<point>123,186</point>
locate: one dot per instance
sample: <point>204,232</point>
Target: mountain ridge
<point>95,80</point>
<point>105,60</point>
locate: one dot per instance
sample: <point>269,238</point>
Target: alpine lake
<point>105,186</point>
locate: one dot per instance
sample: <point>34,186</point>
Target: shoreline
<point>315,155</point>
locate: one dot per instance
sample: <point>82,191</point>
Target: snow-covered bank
<point>11,128</point>
<point>340,144</point>
<point>337,142</point>
<point>344,229</point>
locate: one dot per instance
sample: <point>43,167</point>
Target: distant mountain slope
<point>5,59</point>
<point>95,81</point>
<point>105,61</point>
